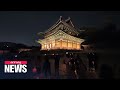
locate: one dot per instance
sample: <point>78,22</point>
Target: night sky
<point>23,26</point>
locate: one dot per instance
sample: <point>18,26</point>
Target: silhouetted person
<point>106,72</point>
<point>80,67</point>
<point>57,59</point>
<point>46,67</point>
<point>38,64</point>
<point>92,61</point>
<point>77,65</point>
<point>66,62</point>
<point>34,72</point>
<point>95,57</point>
<point>72,67</point>
<point>82,47</point>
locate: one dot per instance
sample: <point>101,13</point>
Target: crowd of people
<point>74,66</point>
<point>48,66</point>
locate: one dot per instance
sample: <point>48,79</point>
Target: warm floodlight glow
<point>61,36</point>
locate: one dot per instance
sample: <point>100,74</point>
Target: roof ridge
<point>69,20</point>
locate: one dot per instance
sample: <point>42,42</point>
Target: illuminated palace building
<point>62,35</point>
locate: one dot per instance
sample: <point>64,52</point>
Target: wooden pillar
<point>60,44</point>
<point>76,44</point>
<point>51,45</point>
<point>72,44</point>
<point>67,44</point>
<point>80,46</point>
<point>43,46</point>
<point>55,44</point>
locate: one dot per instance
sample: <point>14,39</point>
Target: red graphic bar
<point>15,62</point>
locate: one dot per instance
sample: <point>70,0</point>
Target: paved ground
<point>111,57</point>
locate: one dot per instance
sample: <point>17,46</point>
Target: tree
<point>41,35</point>
<point>89,34</point>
